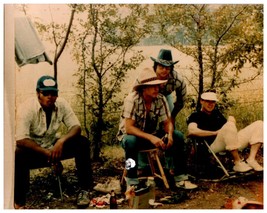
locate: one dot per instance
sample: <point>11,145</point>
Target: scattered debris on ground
<point>44,192</point>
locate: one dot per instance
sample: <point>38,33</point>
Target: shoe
<point>241,167</point>
<point>83,199</point>
<point>181,177</point>
<point>255,165</point>
<point>108,186</point>
<point>180,196</point>
<point>222,153</point>
<point>185,184</point>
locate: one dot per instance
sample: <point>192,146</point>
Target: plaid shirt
<point>175,83</point>
<point>31,121</point>
<point>134,108</point>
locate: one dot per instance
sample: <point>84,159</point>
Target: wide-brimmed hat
<point>47,83</point>
<point>147,77</point>
<point>164,58</point>
<point>209,96</point>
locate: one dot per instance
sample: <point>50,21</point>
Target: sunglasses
<point>47,93</point>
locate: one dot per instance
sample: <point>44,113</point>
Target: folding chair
<point>201,151</point>
<point>57,176</point>
<point>152,156</point>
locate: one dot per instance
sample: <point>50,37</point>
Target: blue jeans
<point>169,99</point>
<point>175,156</point>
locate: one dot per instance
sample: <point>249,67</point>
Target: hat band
<point>147,80</point>
<point>164,61</point>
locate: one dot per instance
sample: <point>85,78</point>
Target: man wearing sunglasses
<point>40,144</point>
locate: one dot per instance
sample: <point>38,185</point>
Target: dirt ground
<point>44,190</point>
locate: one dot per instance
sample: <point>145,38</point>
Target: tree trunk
<point>201,72</point>
<point>58,54</point>
<point>99,125</point>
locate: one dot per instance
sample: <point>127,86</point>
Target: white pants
<point>229,138</point>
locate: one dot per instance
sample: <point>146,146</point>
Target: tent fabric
<point>28,47</point>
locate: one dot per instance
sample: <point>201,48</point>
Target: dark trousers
<point>26,159</point>
<point>175,155</point>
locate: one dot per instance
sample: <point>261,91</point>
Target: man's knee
<point>228,128</point>
<point>84,141</point>
<point>19,151</point>
<point>259,123</point>
<point>178,137</point>
<point>19,154</point>
<point>129,142</point>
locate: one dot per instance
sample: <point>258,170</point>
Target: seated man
<point>39,145</point>
<point>145,119</point>
<point>221,134</point>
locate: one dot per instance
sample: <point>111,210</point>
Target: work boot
<point>83,199</point>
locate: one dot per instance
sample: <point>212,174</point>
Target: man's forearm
<point>168,127</point>
<point>31,144</point>
<point>132,130</point>
<point>201,133</point>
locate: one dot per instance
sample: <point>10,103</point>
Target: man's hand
<point>56,151</point>
<point>158,142</point>
<point>168,141</point>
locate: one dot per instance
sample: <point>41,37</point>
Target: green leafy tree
<point>104,38</point>
<point>221,39</point>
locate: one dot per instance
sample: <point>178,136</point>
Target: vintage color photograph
<point>133,106</point>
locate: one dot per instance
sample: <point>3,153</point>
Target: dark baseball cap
<point>46,83</point>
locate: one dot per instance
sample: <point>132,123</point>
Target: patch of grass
<point>246,114</point>
<point>113,156</point>
<point>114,152</point>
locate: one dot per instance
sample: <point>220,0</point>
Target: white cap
<point>209,96</point>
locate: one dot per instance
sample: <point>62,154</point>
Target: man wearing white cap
<point>222,134</point>
<point>145,119</point>
<point>40,144</point>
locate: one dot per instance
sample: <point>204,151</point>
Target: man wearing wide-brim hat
<point>145,120</point>
<point>164,68</point>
